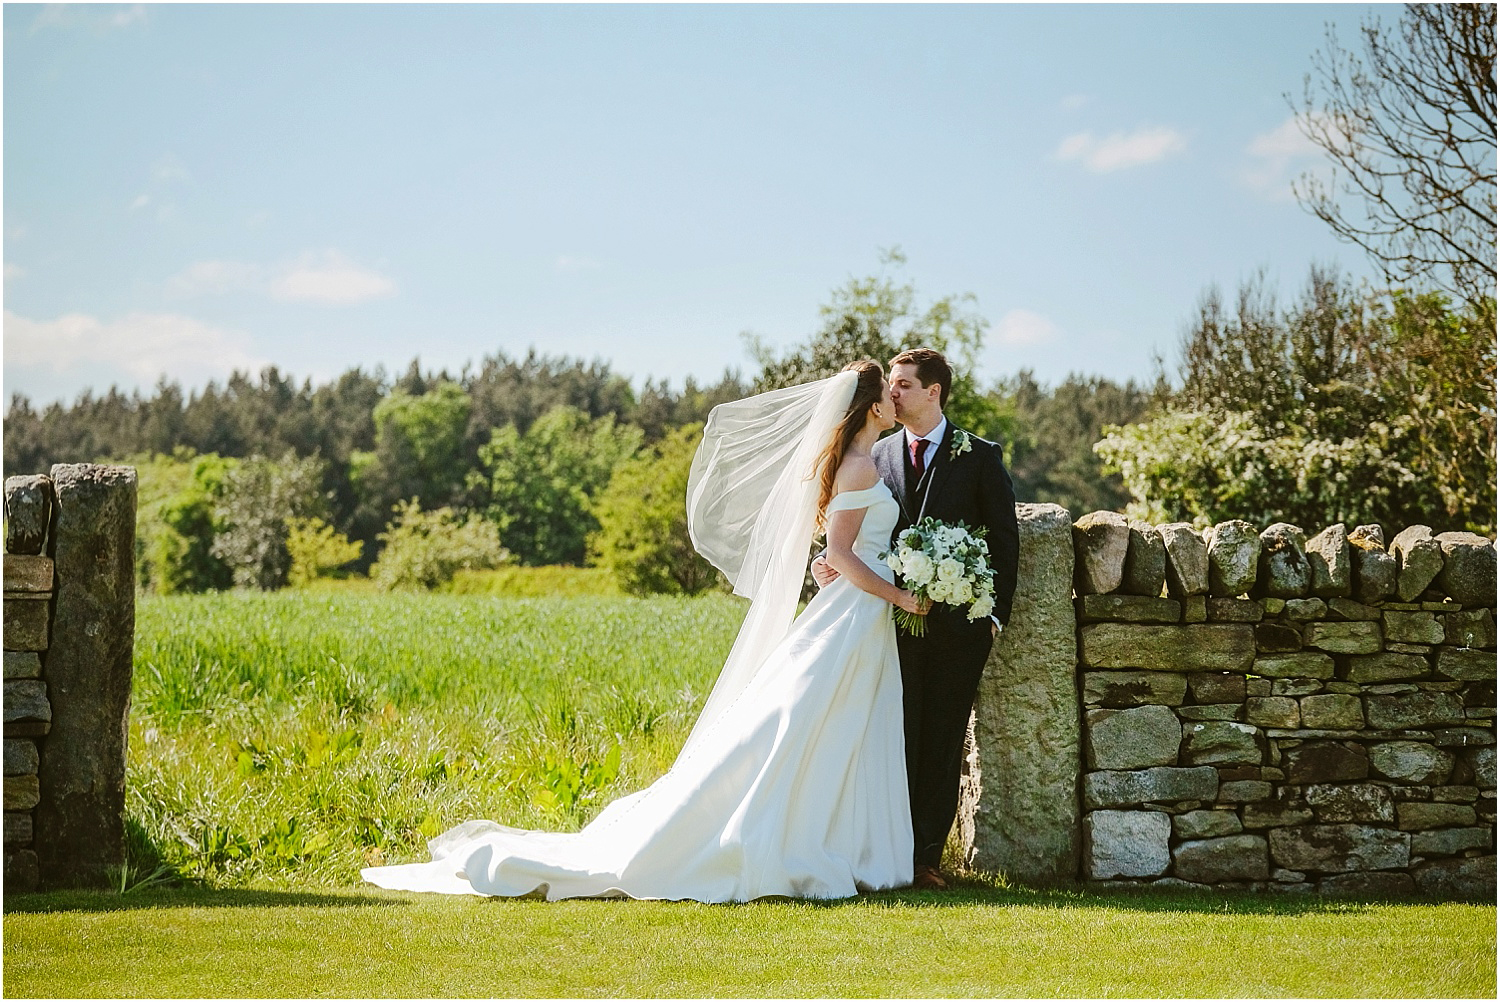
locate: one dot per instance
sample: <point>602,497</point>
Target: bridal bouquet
<point>943,563</point>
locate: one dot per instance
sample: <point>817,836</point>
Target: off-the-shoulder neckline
<point>862,490</point>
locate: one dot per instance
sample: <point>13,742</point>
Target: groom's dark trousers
<point>940,671</point>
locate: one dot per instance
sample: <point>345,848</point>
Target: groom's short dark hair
<point>932,367</point>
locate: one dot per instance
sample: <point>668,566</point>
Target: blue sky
<point>190,189</point>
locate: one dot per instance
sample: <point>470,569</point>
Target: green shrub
<point>317,551</point>
<point>424,549</point>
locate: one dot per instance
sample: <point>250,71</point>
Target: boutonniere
<point>961,444</point>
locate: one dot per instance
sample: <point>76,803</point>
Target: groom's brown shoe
<point>927,878</point>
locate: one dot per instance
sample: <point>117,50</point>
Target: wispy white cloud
<point>1122,149</point>
<point>326,277</point>
<point>206,278</point>
<point>13,272</point>
<point>1075,101</point>
<point>146,346</point>
<point>1277,156</point>
<point>139,202</point>
<point>568,263</point>
<point>329,277</point>
<point>1020,328</point>
<point>98,18</point>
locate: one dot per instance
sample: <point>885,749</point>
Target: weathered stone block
<point>1325,762</point>
<point>1451,841</point>
<point>20,871</point>
<point>1206,824</point>
<point>1387,667</point>
<point>1339,848</point>
<point>23,664</point>
<point>1128,609</point>
<point>1232,857</point>
<point>1414,816</point>
<point>1235,610</point>
<point>1454,794</point>
<point>1303,610</point>
<point>1274,815</point>
<point>1163,783</point>
<point>1462,737</point>
<point>1468,573</point>
<point>1413,628</point>
<point>1126,844</point>
<point>1217,687</point>
<point>1187,559</point>
<point>1352,611</point>
<point>1344,638</point>
<point>21,793</point>
<point>1420,709</point>
<point>1470,628</point>
<point>18,828</point>
<point>1421,558</point>
<point>1233,555</point>
<point>1216,646</point>
<point>1368,884</point>
<point>1222,742</point>
<point>26,623</point>
<point>1469,665</point>
<point>1332,712</point>
<point>1303,664</point>
<point>1132,739</point>
<point>1375,574</point>
<point>80,820</point>
<point>1272,711</point>
<point>1351,802</point>
<point>1329,562</point>
<point>1100,542</point>
<point>28,573</point>
<point>26,700</point>
<point>1411,761</point>
<point>1133,688</point>
<point>1276,638</point>
<point>20,757</point>
<point>1195,609</point>
<point>28,511</point>
<point>1145,561</point>
<point>1241,791</point>
<point>1482,762</point>
<point>1283,570</point>
<point>1458,878</point>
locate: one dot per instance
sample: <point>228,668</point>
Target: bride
<point>793,780</point>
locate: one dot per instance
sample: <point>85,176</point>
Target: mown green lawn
<point>977,941</point>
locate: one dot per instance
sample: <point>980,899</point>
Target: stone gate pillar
<point>80,820</point>
<point>1019,810</point>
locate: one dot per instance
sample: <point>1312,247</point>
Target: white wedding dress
<point>795,787</point>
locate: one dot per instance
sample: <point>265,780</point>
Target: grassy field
<point>295,737</point>
<point>280,742</point>
<point>981,941</point>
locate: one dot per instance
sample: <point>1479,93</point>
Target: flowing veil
<point>752,507</point>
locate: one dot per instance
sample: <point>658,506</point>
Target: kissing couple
<point>826,760</point>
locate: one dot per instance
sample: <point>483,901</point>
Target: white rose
<point>893,561</point>
<point>916,567</point>
<point>983,606</point>
<point>950,570</point>
<point>941,591</point>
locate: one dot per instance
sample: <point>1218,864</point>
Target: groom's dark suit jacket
<point>973,488</point>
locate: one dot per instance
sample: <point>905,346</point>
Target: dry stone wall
<point>1264,710</point>
<point>69,639</point>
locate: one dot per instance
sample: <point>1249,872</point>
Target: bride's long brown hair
<point>868,391</point>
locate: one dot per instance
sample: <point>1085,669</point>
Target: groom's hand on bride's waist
<point>823,574</point>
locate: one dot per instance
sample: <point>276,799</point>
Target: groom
<point>940,471</point>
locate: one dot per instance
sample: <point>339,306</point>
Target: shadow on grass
<point>189,897</point>
<point>966,893</point>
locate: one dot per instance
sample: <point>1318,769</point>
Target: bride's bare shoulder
<point>856,473</point>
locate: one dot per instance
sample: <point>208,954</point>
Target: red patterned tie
<point>918,451</point>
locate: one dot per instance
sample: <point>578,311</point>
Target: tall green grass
<point>297,736</point>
